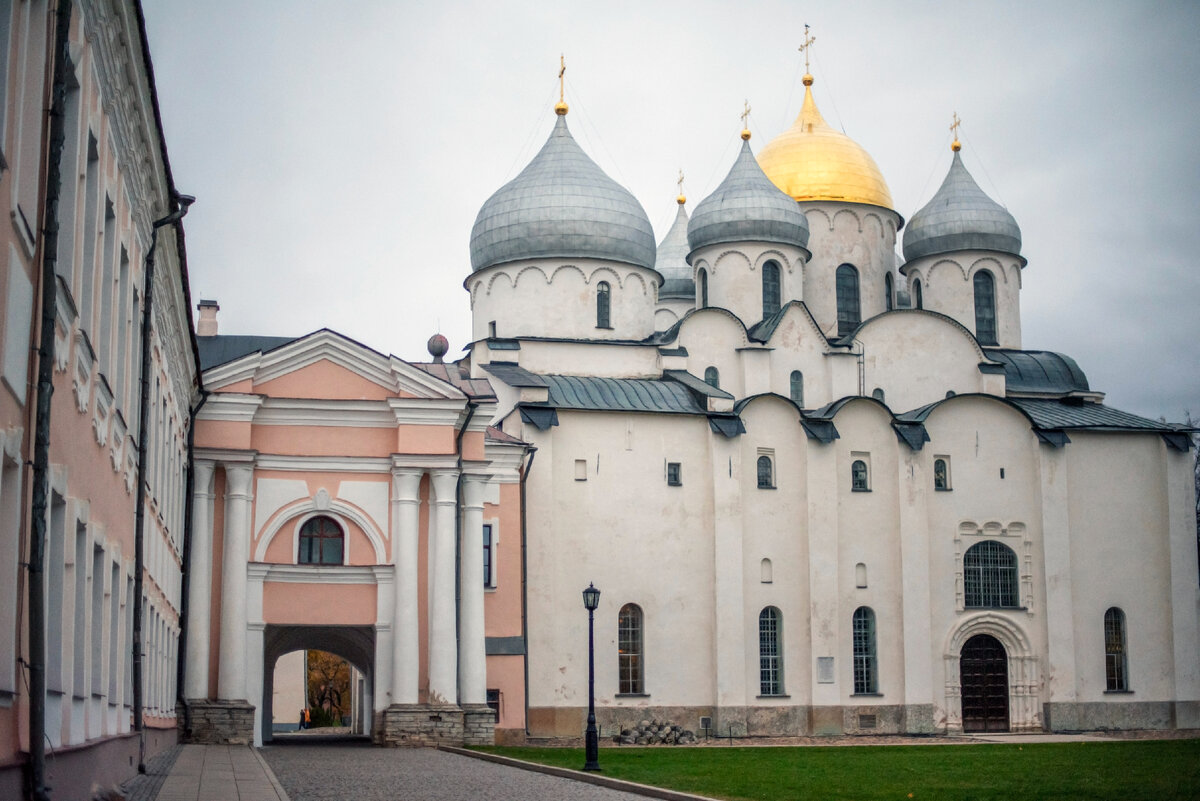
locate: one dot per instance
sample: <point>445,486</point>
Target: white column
<point>406,641</point>
<point>729,592</point>
<point>199,582</point>
<point>1061,680</point>
<point>915,557</point>
<point>231,675</point>
<point>472,649</point>
<point>443,655</point>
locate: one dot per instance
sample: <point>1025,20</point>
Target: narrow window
<point>860,576</point>
<point>631,669</point>
<point>771,291</point>
<point>489,578</point>
<point>990,575</point>
<point>321,542</point>
<point>1115,664</point>
<point>985,308</point>
<point>941,473</point>
<point>674,474</point>
<point>888,292</point>
<point>712,377</point>
<point>603,305</point>
<point>879,395</point>
<point>859,480</point>
<point>702,287</point>
<point>866,671</point>
<point>766,477</point>
<point>765,571</point>
<point>770,652</point>
<point>849,315</point>
<point>492,329</point>
<point>918,298</point>
<point>797,388</point>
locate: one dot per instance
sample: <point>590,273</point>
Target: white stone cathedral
<point>821,488</point>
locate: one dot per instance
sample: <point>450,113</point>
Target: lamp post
<point>591,738</point>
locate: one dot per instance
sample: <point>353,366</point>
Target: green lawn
<point>1129,770</point>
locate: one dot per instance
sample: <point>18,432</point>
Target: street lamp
<point>591,738</point>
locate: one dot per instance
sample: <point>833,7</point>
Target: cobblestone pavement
<point>333,771</point>
<point>145,787</point>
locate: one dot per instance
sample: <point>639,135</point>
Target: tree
<point>328,687</point>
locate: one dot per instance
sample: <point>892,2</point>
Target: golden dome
<point>811,161</point>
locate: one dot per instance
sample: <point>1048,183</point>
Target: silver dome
<point>562,205</point>
<point>961,217</point>
<point>672,261</point>
<point>746,207</point>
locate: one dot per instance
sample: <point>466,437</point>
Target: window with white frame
<point>322,542</point>
<point>941,473</point>
<point>766,469</point>
<point>770,652</point>
<point>1116,664</point>
<point>489,557</point>
<point>860,473</point>
<point>630,667</point>
<point>866,668</point>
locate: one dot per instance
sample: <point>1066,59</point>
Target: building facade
<point>114,187</point>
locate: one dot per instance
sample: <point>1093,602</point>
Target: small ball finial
<point>807,78</point>
<point>438,345</point>
<point>681,199</point>
<point>956,145</point>
<point>746,134</point>
<point>560,108</point>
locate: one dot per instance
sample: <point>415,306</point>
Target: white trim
<point>319,574</point>
<point>336,507</point>
<point>330,464</point>
<point>333,413</point>
<point>231,406</point>
<point>423,411</point>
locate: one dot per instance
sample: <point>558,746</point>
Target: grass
<point>1127,770</point>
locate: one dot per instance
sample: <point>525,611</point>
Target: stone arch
<point>772,254</point>
<point>872,217</point>
<point>1024,680</point>
<point>496,276</point>
<point>989,263</point>
<point>858,222</point>
<point>950,262</point>
<point>637,277</point>
<point>727,256</point>
<point>531,268</point>
<point>811,212</point>
<point>301,510</point>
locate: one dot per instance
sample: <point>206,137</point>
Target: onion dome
<point>961,217</point>
<point>671,263</point>
<point>562,205</point>
<point>811,161</point>
<point>747,207</point>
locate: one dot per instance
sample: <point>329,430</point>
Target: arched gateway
<point>983,673</point>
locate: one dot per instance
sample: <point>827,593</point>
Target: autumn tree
<point>328,687</point>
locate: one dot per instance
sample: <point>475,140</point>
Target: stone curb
<point>579,776</point>
<point>283,796</point>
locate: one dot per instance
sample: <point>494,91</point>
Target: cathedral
<point>798,445</point>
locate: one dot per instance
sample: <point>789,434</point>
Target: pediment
<point>327,365</point>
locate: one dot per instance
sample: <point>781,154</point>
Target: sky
<point>339,151</point>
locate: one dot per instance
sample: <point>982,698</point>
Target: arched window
<point>990,575</point>
<point>321,542</point>
<point>1115,662</point>
<point>630,668</point>
<point>879,395</point>
<point>712,377</point>
<point>797,389</point>
<point>941,474</point>
<point>985,308</point>
<point>918,298</point>
<point>860,576</point>
<point>603,305</point>
<point>766,478</point>
<point>859,480</point>
<point>770,652</point>
<point>765,572</point>
<point>866,668</point>
<point>888,292</point>
<point>848,312</point>
<point>702,287</point>
<point>771,291</point>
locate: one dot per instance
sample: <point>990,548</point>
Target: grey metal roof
<point>961,217</point>
<point>1057,414</point>
<point>457,375</point>
<point>747,207</point>
<point>697,385</point>
<point>514,375</point>
<point>620,394</point>
<point>562,205</point>
<point>671,261</point>
<point>1040,371</point>
<point>223,348</point>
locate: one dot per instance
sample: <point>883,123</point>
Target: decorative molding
<point>331,413</point>
<point>231,407</point>
<point>85,360</point>
<point>331,464</point>
<point>101,409</point>
<point>301,510</point>
<point>317,574</point>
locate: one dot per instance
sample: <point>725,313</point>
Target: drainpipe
<point>458,498</point>
<point>45,389</point>
<point>185,584</point>
<point>181,203</point>
<point>524,594</point>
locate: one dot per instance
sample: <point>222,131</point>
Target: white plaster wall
<point>710,337</point>
<point>573,358</point>
<point>847,233</point>
<point>670,311</point>
<point>797,345</point>
<point>735,275</point>
<point>557,298</point>
<point>948,282</point>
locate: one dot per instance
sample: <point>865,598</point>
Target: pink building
<point>355,503</point>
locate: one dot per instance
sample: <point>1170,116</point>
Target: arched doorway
<point>983,673</point>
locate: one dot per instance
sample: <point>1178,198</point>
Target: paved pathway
<point>333,772</point>
<point>220,773</point>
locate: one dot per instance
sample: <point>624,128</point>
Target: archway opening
<point>326,670</point>
<point>983,673</point>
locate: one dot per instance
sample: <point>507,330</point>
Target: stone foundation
<point>434,724</point>
<point>216,722</point>
<point>479,725</point>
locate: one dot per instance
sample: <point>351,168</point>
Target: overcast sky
<point>340,150</point>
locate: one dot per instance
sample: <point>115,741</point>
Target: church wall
<point>630,552</point>
<point>916,358</point>
<point>847,233</point>
<point>707,336</point>
<point>324,380</point>
<point>595,359</point>
<point>319,604</point>
<point>552,297</point>
<point>322,440</point>
<point>948,288</point>
<point>799,346</point>
<point>735,275</point>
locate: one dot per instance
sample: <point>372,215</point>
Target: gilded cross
<point>745,115</point>
<point>808,42</point>
<point>954,126</point>
<point>562,69</point>
<point>680,182</point>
